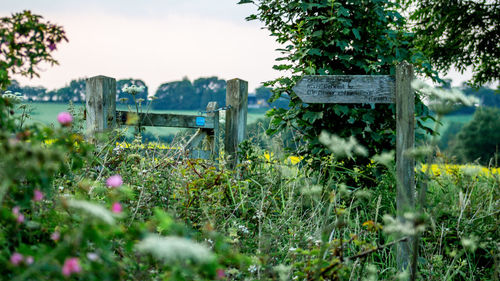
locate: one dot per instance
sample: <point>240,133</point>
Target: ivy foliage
<point>327,37</point>
<point>25,42</point>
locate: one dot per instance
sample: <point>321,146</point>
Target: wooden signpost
<point>377,89</point>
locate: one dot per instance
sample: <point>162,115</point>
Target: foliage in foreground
<point>26,40</point>
<point>66,214</point>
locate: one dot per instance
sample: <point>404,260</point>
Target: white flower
<point>92,256</point>
<point>386,158</point>
<point>340,147</point>
<point>133,89</point>
<point>171,249</point>
<point>443,101</point>
<point>253,268</point>
<point>243,229</point>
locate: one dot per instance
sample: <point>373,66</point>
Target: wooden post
<point>236,117</point>
<point>212,135</point>
<point>405,165</point>
<point>100,97</point>
<point>213,139</point>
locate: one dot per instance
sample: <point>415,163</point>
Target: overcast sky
<point>155,40</point>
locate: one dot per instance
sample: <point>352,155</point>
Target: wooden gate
<point>101,115</point>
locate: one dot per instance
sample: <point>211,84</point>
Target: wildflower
<point>92,256</point>
<point>71,265</point>
<point>470,244</point>
<point>133,90</point>
<point>116,208</point>
<point>443,101</point>
<point>16,212</point>
<point>37,195</point>
<point>243,229</point>
<point>55,236</point>
<point>29,260</point>
<point>341,147</point>
<point>114,181</point>
<point>52,46</point>
<point>16,259</point>
<point>64,118</point>
<point>220,273</point>
<point>171,249</point>
<point>386,158</point>
<point>253,268</point>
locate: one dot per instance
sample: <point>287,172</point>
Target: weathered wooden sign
<point>346,89</point>
<point>377,89</point>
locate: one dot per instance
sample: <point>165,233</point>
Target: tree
<point>190,96</point>
<point>267,94</point>
<point>323,37</point>
<point>209,89</point>
<point>480,138</point>
<point>29,93</point>
<point>74,92</point>
<point>25,42</point>
<point>173,95</point>
<point>460,33</point>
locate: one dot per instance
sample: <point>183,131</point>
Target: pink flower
<point>29,260</point>
<point>52,46</point>
<point>220,274</point>
<point>16,258</point>
<point>71,265</point>
<point>55,236</point>
<point>37,195</point>
<point>64,118</point>
<point>116,208</point>
<point>15,210</point>
<point>114,181</point>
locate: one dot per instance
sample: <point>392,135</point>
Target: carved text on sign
<point>346,89</point>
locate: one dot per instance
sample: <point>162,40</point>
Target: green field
<point>46,113</point>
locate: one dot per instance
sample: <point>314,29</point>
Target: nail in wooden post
<point>236,117</point>
<point>100,97</point>
<point>405,165</point>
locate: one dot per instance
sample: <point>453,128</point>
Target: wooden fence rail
<point>101,116</point>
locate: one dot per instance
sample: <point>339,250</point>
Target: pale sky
<point>157,41</point>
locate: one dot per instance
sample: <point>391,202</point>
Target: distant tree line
<point>181,95</point>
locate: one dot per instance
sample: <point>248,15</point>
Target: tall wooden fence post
<point>405,165</point>
<point>100,97</point>
<point>236,117</point>
<point>213,140</point>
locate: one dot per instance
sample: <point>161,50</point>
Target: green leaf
<point>312,116</point>
<point>356,33</point>
<point>314,52</point>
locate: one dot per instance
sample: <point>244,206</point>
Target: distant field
<point>445,122</point>
<point>46,113</point>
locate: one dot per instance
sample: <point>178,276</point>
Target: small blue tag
<point>200,121</point>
